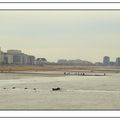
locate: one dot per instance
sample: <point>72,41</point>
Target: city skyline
<point>87,35</point>
<point>106,60</point>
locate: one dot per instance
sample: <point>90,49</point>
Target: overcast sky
<point>87,35</point>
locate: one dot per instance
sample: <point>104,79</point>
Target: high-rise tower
<point>106,60</point>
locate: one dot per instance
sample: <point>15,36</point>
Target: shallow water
<point>77,92</point>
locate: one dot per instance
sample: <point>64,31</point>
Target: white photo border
<point>60,1</point>
<point>59,113</point>
<point>59,6</point>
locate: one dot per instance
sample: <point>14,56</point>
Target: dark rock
<point>56,89</point>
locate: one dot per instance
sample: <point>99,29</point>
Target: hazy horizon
<point>86,35</point>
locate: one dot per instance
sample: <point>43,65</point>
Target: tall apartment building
<point>118,61</point>
<point>21,58</point>
<point>8,58</point>
<point>16,57</point>
<point>31,59</point>
<point>1,57</point>
<point>106,60</point>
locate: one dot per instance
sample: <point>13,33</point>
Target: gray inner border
<point>60,109</point>
<point>59,2</point>
<point>59,10</point>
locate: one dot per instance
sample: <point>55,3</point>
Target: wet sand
<point>20,91</point>
<point>102,69</point>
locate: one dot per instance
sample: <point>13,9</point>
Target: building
<point>16,57</point>
<point>20,58</point>
<point>8,58</point>
<point>106,60</point>
<point>1,57</point>
<point>5,58</point>
<point>98,63</point>
<point>112,63</point>
<point>31,59</point>
<point>14,51</point>
<point>118,61</point>
<point>40,61</point>
<point>62,61</point>
<point>25,59</point>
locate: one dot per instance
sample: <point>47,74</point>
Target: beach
<point>28,91</point>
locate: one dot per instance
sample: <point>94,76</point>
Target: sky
<point>86,35</point>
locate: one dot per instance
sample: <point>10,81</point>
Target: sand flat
<point>77,92</point>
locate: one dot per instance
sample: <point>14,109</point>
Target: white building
<point>118,61</point>
<point>21,58</point>
<point>8,58</point>
<point>1,57</point>
<point>16,57</point>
